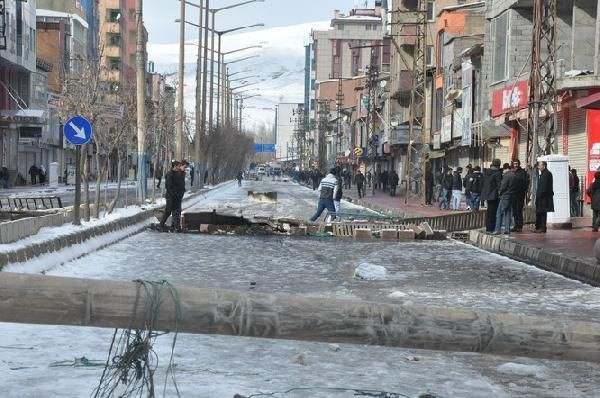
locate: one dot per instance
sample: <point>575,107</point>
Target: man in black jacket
<point>446,181</point>
<point>489,193</point>
<point>520,194</point>
<point>544,197</point>
<point>457,186</point>
<point>393,180</point>
<point>505,194</point>
<point>359,180</point>
<point>175,189</point>
<point>473,185</point>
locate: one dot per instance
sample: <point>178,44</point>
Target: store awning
<point>590,102</point>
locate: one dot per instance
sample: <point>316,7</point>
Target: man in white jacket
<point>327,191</point>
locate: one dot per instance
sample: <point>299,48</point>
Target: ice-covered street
<point>34,360</point>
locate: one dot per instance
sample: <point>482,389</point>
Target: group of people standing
<point>503,189</point>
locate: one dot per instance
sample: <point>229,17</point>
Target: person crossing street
<point>175,189</point>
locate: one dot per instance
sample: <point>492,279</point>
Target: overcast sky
<point>160,14</point>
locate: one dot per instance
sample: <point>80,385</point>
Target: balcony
<point>399,135</point>
<point>112,51</point>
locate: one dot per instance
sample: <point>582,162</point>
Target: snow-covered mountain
<point>280,67</point>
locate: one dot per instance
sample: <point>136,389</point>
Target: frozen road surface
<point>37,361</point>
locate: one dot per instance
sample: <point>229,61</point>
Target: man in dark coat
<point>505,195</point>
<point>544,197</point>
<point>360,184</point>
<point>384,180</point>
<point>393,180</point>
<point>457,186</point>
<point>574,192</point>
<point>489,193</point>
<point>520,194</point>
<point>33,173</point>
<point>594,194</point>
<point>175,189</point>
<point>446,180</point>
<point>429,185</point>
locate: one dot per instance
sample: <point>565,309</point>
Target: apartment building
<point>21,122</point>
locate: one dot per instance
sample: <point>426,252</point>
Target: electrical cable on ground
<point>131,363</point>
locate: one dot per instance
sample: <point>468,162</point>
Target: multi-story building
<point>62,41</point>
<point>459,32</point>
<point>506,71</point>
<point>21,123</point>
<point>286,132</point>
<point>354,44</point>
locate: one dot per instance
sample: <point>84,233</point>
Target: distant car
<point>261,171</point>
<point>252,173</point>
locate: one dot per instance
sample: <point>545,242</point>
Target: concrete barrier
<point>580,269</point>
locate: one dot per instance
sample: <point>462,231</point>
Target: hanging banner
<point>446,128</point>
<point>467,101</point>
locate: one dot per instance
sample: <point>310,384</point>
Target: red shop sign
<point>510,98</point>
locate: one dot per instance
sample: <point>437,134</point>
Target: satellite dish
<point>383,83</point>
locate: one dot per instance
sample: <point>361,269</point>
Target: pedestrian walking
<point>33,173</point>
<point>347,179</point>
<point>505,197</point>
<point>158,175</point>
<point>594,193</point>
<point>384,180</point>
<point>327,191</point>
<point>521,186</point>
<point>429,185</point>
<point>474,184</point>
<point>457,186</point>
<point>42,174</point>
<point>4,176</point>
<point>574,192</point>
<point>240,177</point>
<point>393,181</point>
<point>369,178</point>
<point>175,189</point>
<point>447,179</point>
<point>492,178</point>
<point>544,197</point>
<point>468,173</point>
<point>359,180</point>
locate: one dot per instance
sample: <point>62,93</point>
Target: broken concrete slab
<point>427,228</point>
<point>362,233</point>
<point>389,234</point>
<point>406,234</point>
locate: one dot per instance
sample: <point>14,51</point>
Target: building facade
<point>21,118</point>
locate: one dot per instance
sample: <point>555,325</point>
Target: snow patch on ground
<point>54,259</point>
<point>522,370</point>
<point>397,294</point>
<point>370,272</point>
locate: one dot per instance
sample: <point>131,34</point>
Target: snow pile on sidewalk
<point>370,272</point>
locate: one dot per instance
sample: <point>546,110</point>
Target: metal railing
<point>30,202</point>
<point>450,223</point>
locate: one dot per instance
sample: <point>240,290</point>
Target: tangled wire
<point>131,363</point>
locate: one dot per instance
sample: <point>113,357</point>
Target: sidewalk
<point>394,205</point>
<point>566,252</point>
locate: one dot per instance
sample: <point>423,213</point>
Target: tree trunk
<point>98,185</point>
<point>50,300</point>
<point>115,200</point>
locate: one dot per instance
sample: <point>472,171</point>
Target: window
<point>114,63</point>
<point>132,15</point>
<point>340,26</point>
<point>499,34</point>
<point>440,48</point>
<point>113,15</point>
<point>114,40</point>
<point>368,27</point>
<point>132,37</point>
<point>429,55</point>
<point>431,11</point>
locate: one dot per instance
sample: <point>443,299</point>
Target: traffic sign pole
<point>77,205</point>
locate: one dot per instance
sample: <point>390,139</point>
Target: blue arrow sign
<point>78,130</point>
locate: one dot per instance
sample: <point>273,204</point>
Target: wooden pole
<point>39,299</point>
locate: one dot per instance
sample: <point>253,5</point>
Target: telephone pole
<point>141,102</point>
<point>199,104</point>
<point>543,99</point>
<point>180,111</point>
<point>417,107</point>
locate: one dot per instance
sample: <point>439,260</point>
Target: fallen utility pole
<point>39,299</point>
